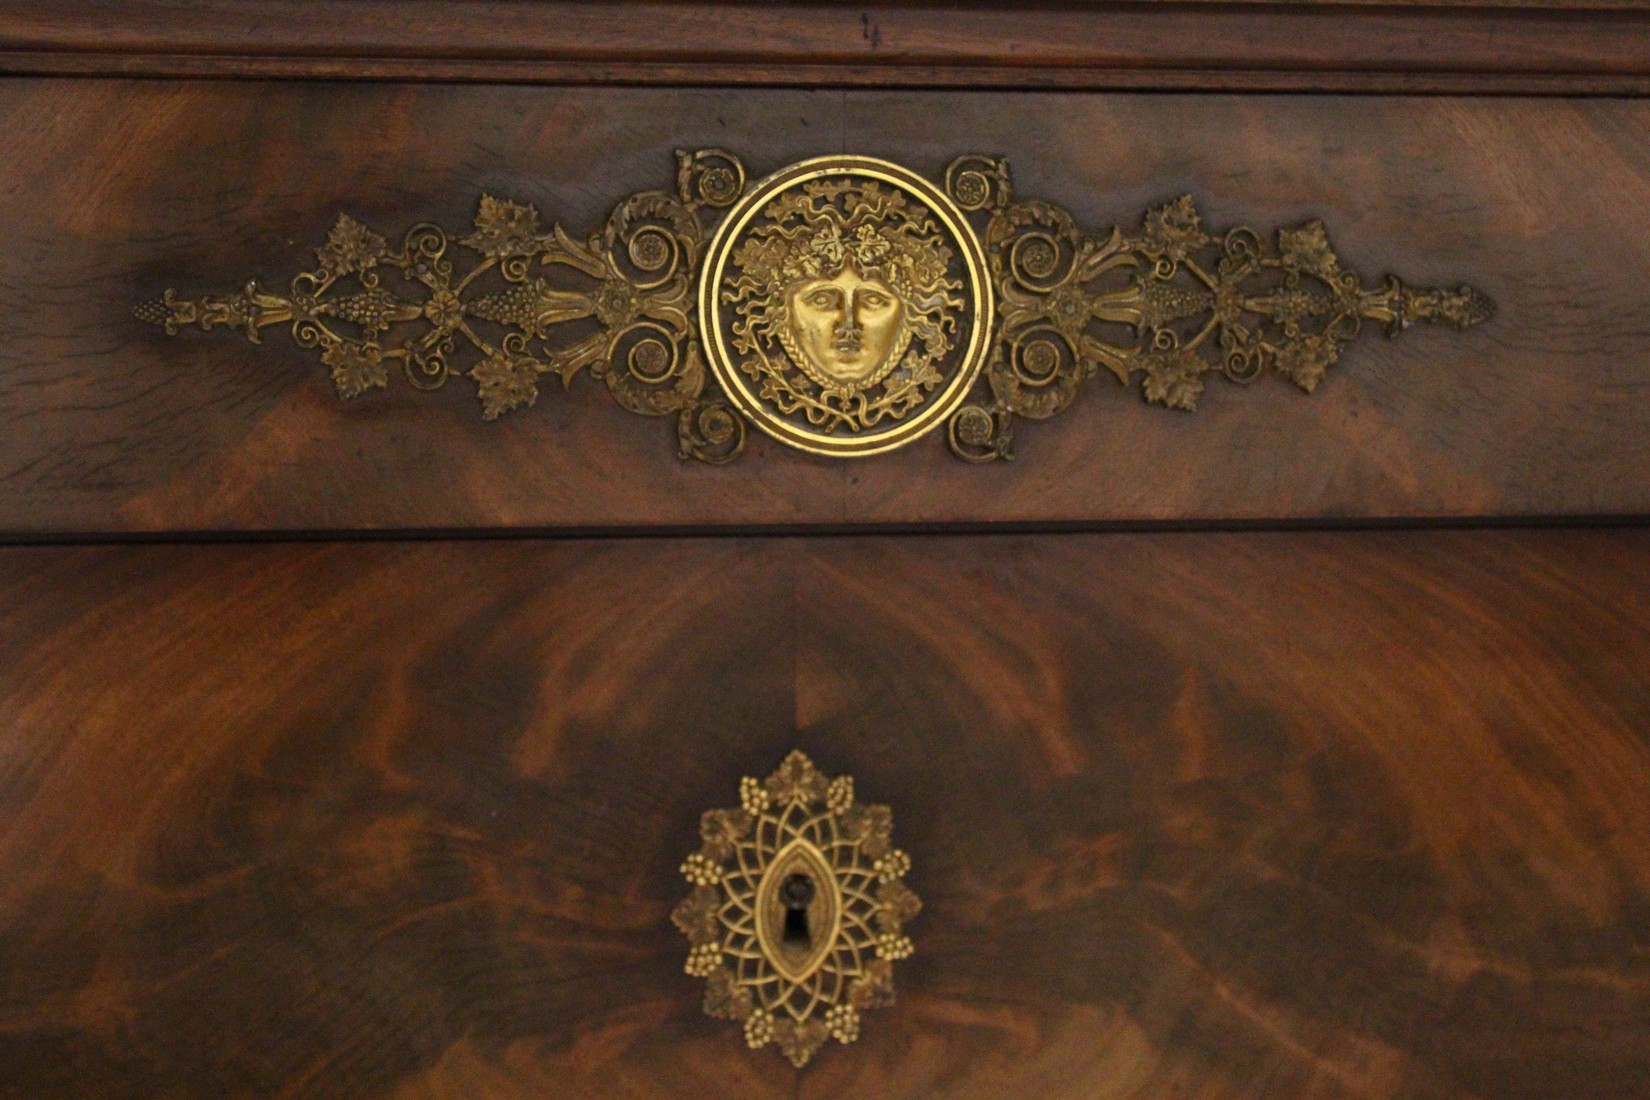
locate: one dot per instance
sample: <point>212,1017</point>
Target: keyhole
<point>796,893</point>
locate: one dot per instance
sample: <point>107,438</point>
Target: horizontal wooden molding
<point>1456,48</point>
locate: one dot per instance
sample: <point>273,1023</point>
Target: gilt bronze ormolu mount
<point>796,909</point>
<point>844,305</point>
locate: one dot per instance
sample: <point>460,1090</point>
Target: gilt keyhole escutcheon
<point>798,909</point>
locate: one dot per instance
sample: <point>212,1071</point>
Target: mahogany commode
<point>575,613</point>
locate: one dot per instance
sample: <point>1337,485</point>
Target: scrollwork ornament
<point>1168,304</point>
<point>711,432</point>
<point>709,177</point>
<point>843,305</point>
<point>979,183</point>
<point>534,301</point>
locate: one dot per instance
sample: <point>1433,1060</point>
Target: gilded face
<point>846,325</point>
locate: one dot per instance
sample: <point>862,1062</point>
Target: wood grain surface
<point>1551,46</point>
<point>1268,816</point>
<point>116,190</point>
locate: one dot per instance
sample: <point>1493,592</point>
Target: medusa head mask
<point>844,303</point>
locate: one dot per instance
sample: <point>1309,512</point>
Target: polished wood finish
<point>1270,815</point>
<point>1588,47</point>
<point>1243,815</point>
<point>121,189</point>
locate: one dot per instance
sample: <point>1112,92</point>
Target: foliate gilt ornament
<point>797,910</point>
<point>844,306</point>
<point>524,302</point>
<point>1169,303</point>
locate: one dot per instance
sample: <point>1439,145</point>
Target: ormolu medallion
<point>845,306</point>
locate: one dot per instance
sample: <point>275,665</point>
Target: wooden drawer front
<point>1281,815</point>
<point>116,190</point>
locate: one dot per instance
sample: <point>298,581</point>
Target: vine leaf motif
<point>1166,304</point>
<point>796,983</point>
<point>1169,303</point>
<point>623,297</point>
